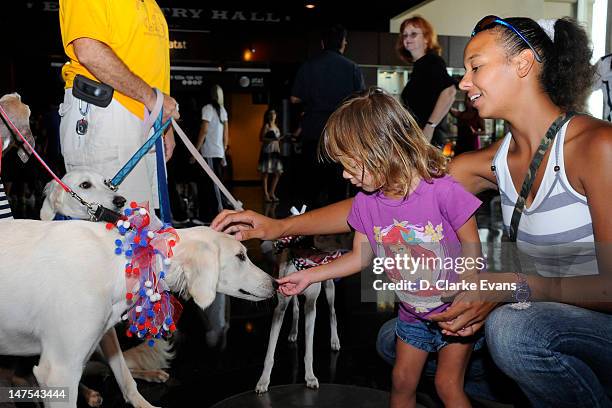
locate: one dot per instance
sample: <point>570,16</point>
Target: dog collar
<point>317,258</point>
<point>61,217</point>
<point>147,246</point>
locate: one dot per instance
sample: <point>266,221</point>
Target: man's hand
<point>169,143</point>
<point>248,224</point>
<point>169,106</point>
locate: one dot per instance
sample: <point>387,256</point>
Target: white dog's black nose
<point>119,201</point>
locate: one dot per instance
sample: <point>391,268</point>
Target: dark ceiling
<point>356,16</point>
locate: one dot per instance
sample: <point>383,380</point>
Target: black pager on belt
<point>91,91</point>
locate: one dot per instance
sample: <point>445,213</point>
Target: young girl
<point>408,206</point>
<point>270,163</point>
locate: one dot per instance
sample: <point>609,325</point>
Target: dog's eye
<point>85,185</point>
<point>241,256</point>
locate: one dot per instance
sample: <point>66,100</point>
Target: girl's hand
<point>294,284</point>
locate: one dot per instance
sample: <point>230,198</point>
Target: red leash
<point>96,211</point>
<point>14,129</point>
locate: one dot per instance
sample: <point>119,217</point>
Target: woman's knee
<point>511,336</point>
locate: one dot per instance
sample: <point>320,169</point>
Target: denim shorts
<point>427,336</point>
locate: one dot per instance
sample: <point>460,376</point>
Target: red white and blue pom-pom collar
<point>147,246</point>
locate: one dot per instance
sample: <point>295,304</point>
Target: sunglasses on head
<point>492,21</point>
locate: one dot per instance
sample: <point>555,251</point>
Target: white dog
<point>288,266</point>
<point>89,185</point>
<point>75,289</point>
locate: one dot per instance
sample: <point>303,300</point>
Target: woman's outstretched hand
<point>247,224</point>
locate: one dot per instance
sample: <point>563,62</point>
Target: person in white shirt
<point>212,143</point>
<point>603,81</point>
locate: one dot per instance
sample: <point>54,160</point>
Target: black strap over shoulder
<point>91,91</point>
<point>547,141</point>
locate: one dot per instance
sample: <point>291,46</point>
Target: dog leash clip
<point>110,185</point>
<point>104,214</point>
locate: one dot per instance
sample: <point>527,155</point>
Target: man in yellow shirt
<point>124,44</point>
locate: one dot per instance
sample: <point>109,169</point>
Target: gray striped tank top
<point>556,231</point>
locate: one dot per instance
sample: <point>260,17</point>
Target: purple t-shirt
<point>423,227</point>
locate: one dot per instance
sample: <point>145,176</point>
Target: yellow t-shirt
<point>135,30</point>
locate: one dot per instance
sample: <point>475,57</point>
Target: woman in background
<point>212,143</point>
<point>430,91</point>
<point>270,163</point>
<point>469,127</point>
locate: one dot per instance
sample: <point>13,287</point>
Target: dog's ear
<point>200,264</point>
<point>54,198</point>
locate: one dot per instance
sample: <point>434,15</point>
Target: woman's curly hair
<point>567,73</point>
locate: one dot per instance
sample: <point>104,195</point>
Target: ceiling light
<point>310,6</point>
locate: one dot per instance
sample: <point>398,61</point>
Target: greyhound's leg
<point>286,267</point>
<point>277,322</point>
<point>330,294</point>
<point>114,355</point>
<point>310,314</point>
<point>57,368</point>
<point>65,350</point>
<point>296,319</point>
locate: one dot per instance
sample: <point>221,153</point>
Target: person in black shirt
<point>321,84</point>
<point>430,91</point>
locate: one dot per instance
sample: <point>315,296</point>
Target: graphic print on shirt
<point>421,251</point>
<point>151,20</point>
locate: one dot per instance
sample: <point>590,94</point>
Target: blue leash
<point>129,166</point>
<point>162,183</point>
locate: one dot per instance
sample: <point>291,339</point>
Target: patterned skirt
<point>270,158</point>
<point>270,163</point>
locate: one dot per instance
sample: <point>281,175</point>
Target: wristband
<point>431,124</point>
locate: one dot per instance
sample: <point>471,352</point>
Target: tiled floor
<point>202,377</point>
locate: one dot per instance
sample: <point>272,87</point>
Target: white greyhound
<point>287,265</point>
<point>63,290</point>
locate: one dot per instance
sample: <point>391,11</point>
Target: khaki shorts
<point>113,135</point>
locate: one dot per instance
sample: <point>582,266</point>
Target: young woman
<point>270,164</point>
<point>559,351</point>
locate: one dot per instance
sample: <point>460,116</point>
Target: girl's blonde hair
<point>375,131</point>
